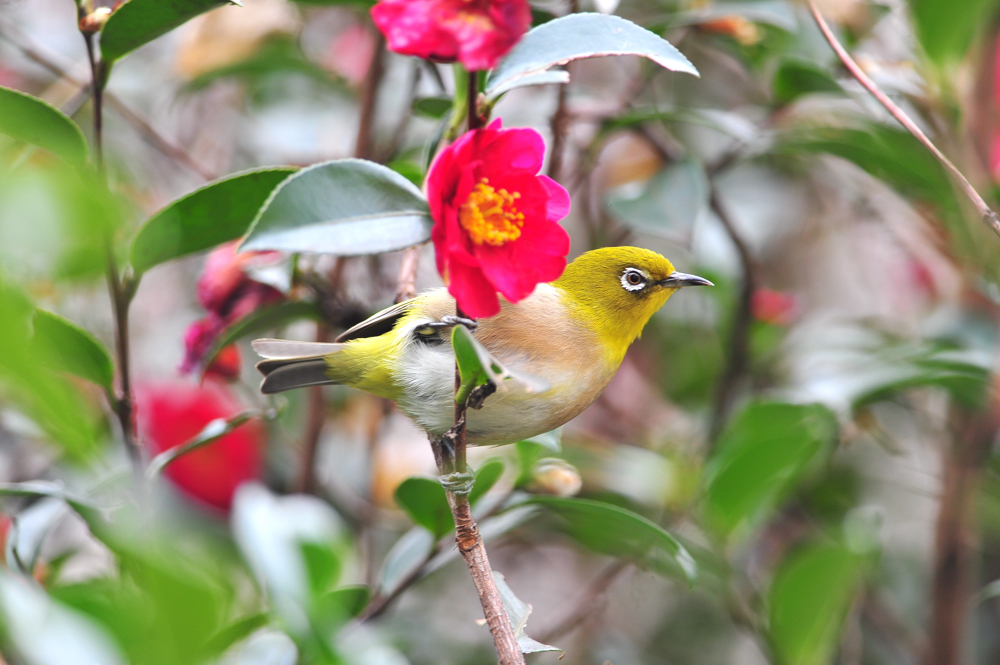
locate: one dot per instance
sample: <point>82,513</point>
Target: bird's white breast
<point>535,336</point>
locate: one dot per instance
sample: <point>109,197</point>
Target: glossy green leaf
<point>477,366</point>
<point>668,204</point>
<point>518,612</point>
<point>345,207</point>
<point>487,476</point>
<point>761,456</point>
<point>139,22</point>
<point>946,30</point>
<point>809,599</point>
<point>424,501</point>
<point>61,345</point>
<point>211,215</point>
<point>611,530</point>
<point>583,35</point>
<point>796,78</point>
<point>33,121</point>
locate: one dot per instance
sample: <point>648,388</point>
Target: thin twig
<point>120,287</point>
<point>147,131</point>
<point>407,282</point>
<point>560,121</point>
<point>738,359</point>
<point>593,600</point>
<point>214,431</point>
<point>988,216</point>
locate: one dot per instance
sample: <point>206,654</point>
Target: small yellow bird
<point>573,333</point>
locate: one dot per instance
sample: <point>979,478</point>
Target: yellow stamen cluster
<point>489,215</point>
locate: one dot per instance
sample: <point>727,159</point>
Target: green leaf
<point>809,599</point>
<point>345,207</point>
<point>424,501</point>
<point>477,366</point>
<point>433,107</point>
<point>139,22</point>
<point>946,29</point>
<point>611,530</point>
<point>889,154</point>
<point>266,318</point>
<point>518,612</point>
<point>55,221</point>
<point>218,212</point>
<point>668,204</point>
<point>796,78</point>
<point>33,121</point>
<point>583,35</point>
<point>761,456</point>
<point>49,399</point>
<point>34,622</point>
<point>408,553</point>
<point>61,345</point>
<point>487,476</point>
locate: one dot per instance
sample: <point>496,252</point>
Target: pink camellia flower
<point>228,293</point>
<point>169,415</point>
<point>495,219</point>
<point>476,33</point>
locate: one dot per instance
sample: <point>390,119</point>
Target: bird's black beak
<point>676,280</point>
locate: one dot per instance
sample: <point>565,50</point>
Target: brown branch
<point>315,417</point>
<point>954,538</point>
<point>560,121</point>
<point>407,282</point>
<point>470,545</point>
<point>121,288</point>
<point>986,214</point>
<point>365,144</point>
<point>738,358</point>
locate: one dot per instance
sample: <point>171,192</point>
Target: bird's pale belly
<point>511,414</point>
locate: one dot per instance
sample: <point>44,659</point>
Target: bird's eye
<point>633,280</point>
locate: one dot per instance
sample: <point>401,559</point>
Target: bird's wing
<point>378,324</point>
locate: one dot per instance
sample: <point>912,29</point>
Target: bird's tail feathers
<point>289,364</point>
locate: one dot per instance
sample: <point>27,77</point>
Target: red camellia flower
<point>476,33</point>
<point>169,415</point>
<point>495,219</point>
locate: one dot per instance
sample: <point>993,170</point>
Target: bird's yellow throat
<point>591,285</point>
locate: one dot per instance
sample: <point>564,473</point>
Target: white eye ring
<point>631,274</point>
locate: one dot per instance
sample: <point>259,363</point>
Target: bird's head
<point>618,289</point>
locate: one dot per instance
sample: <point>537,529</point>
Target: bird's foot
<point>480,393</point>
<point>450,321</point>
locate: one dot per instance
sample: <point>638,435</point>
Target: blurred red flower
<point>774,307</point>
<point>495,219</point>
<point>476,33</point>
<point>228,293</point>
<point>171,414</point>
